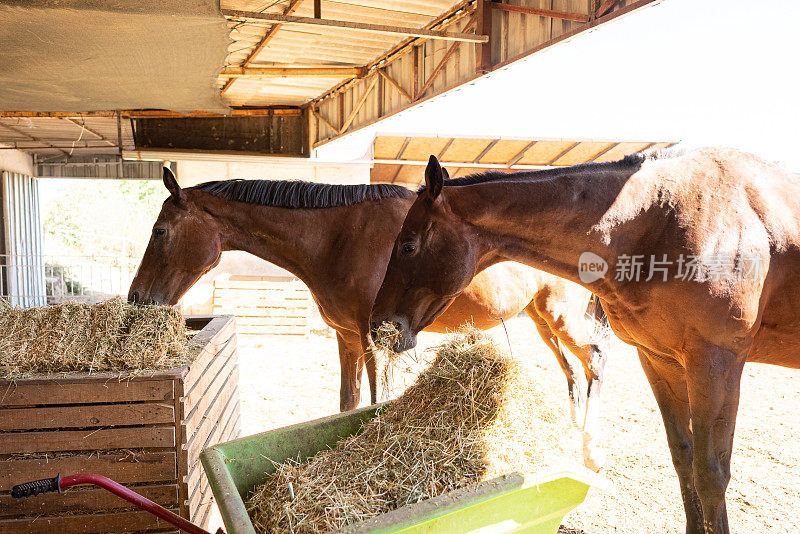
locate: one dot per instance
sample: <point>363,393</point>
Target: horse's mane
<point>298,193</point>
<point>631,160</point>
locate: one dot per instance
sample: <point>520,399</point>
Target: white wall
<point>194,172</point>
<point>16,161</point>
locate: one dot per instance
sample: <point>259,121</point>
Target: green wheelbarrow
<point>511,503</point>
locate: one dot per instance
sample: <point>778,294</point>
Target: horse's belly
<point>777,345</point>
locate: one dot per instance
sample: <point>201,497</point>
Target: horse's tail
<point>595,312</point>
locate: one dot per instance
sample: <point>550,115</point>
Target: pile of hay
<point>473,415</point>
<point>75,337</point>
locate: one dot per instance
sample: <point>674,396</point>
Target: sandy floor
<point>287,380</point>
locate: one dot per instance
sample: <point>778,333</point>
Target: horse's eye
<point>158,232</point>
<point>406,249</point>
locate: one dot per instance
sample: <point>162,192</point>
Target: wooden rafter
<point>604,8</point>
<point>24,134</point>
<point>154,113</point>
<point>563,153</point>
<point>378,28</point>
<point>519,155</point>
<point>272,72</point>
<point>440,155</point>
<point>321,117</point>
<point>262,44</point>
<point>395,83</point>
<point>359,104</point>
<point>606,149</point>
<point>486,150</point>
<point>450,51</point>
<point>562,15</point>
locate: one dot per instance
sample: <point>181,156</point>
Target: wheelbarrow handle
<point>45,485</point>
<point>58,483</point>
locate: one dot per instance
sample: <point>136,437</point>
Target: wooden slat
<point>216,394</point>
<point>229,431</point>
<point>263,311</point>
<point>124,468</point>
<point>209,433</point>
<point>87,440</point>
<point>93,415</point>
<point>82,390</point>
<point>198,387</point>
<point>85,523</point>
<point>260,284</point>
<point>245,322</point>
<point>80,501</point>
<point>274,330</point>
<point>224,345</point>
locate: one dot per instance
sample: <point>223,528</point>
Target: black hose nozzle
<point>45,485</point>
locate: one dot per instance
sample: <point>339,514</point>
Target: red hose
<point>133,497</point>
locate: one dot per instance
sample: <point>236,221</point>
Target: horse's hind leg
<point>351,361</point>
<point>594,367</point>
<point>551,340</point>
<point>713,377</point>
<point>668,382</point>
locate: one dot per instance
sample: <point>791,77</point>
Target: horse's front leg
<point>351,362</point>
<point>668,382</point>
<point>370,355</point>
<point>713,376</point>
<point>593,453</point>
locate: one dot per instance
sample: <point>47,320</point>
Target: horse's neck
<point>545,223</point>
<point>305,242</point>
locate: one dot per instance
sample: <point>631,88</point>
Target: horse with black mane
<point>337,239</point>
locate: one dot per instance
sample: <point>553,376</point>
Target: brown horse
<point>701,257</point>
<point>337,240</point>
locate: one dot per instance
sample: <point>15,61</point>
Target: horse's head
<point>184,245</point>
<point>433,260</point>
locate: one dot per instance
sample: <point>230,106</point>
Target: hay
<point>75,337</point>
<point>473,415</point>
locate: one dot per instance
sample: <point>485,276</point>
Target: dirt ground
<point>286,380</point>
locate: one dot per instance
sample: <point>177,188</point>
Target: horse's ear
<point>434,177</point>
<point>445,174</point>
<point>171,183</point>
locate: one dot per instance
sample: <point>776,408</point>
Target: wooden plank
<point>483,14</point>
<point>82,501</point>
<point>84,523</point>
<point>283,72</point>
<point>124,468</point>
<point>274,330</point>
<point>265,311</point>
<point>224,343</point>
<point>378,28</point>
<point>216,395</point>
<point>272,321</point>
<point>87,416</point>
<point>292,285</point>
<point>576,17</point>
<point>229,432</point>
<point>396,85</point>
<point>199,387</point>
<point>211,433</point>
<point>74,390</point>
<point>87,440</point>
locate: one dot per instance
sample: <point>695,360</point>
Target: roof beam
<point>152,113</point>
<point>605,7</point>
<point>519,155</point>
<point>262,44</point>
<point>575,17</point>
<point>359,104</point>
<point>83,126</point>
<point>377,28</point>
<point>23,134</point>
<point>395,83</point>
<point>486,150</point>
<point>278,72</point>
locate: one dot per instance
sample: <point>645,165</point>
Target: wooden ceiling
<point>401,159</point>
